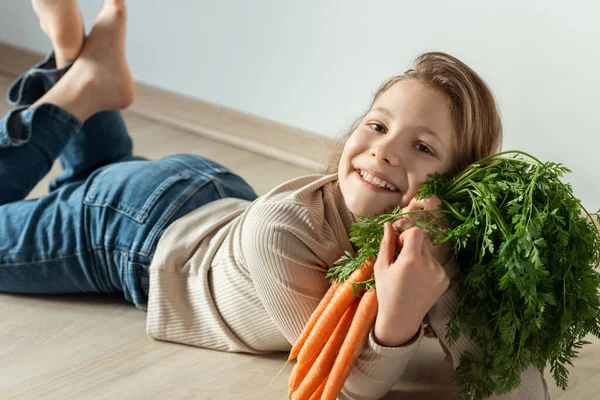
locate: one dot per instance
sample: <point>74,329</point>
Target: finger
<point>387,248</point>
<point>433,202</point>
<point>412,241</point>
<point>417,203</point>
<point>403,224</point>
<point>414,205</point>
<point>429,203</point>
<point>407,221</point>
<point>427,246</point>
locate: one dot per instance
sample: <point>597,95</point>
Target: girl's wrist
<point>388,336</point>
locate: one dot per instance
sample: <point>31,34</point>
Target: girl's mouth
<point>373,186</point>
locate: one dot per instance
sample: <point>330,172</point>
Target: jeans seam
<point>47,260</point>
<point>55,112</point>
<point>218,188</point>
<point>38,70</point>
<point>125,272</point>
<point>216,171</point>
<point>128,270</point>
<point>103,247</point>
<point>64,116</point>
<point>6,140</point>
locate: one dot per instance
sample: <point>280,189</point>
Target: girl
<point>189,241</point>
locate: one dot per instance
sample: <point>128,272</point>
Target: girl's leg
<point>97,235</point>
<point>46,244</point>
<point>62,22</point>
<point>100,235</point>
<point>99,80</point>
<point>41,133</point>
<point>103,138</point>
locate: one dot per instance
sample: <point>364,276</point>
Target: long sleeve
<point>533,385</point>
<point>287,256</point>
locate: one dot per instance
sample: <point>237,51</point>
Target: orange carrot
<point>301,372</point>
<point>363,321</point>
<point>311,322</point>
<point>291,380</point>
<point>319,392</point>
<point>322,366</point>
<point>303,368</point>
<point>342,299</point>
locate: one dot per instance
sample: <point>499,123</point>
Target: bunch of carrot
<point>333,338</point>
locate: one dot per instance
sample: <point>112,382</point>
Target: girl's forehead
<point>414,98</point>
<point>413,103</point>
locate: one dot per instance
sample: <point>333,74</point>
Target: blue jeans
<point>97,229</point>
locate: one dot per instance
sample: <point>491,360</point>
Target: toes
<point>113,9</point>
<point>62,22</point>
<point>117,4</point>
<point>120,12</point>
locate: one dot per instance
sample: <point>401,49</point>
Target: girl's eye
<point>377,127</point>
<point>424,148</point>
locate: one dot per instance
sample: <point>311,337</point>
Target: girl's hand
<point>440,252</point>
<point>407,287</point>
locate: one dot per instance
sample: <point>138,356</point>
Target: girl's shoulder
<point>299,196</point>
<point>308,212</point>
<point>301,189</point>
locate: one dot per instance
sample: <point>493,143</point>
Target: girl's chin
<point>364,209</point>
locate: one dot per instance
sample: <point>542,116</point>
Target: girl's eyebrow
<point>383,110</point>
<point>423,128</point>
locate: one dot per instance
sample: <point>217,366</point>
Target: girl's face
<point>406,135</point>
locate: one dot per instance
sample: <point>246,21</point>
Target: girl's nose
<point>382,152</point>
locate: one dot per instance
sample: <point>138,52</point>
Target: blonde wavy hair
<point>476,119</point>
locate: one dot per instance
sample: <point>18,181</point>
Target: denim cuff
<point>33,84</point>
<point>18,123</point>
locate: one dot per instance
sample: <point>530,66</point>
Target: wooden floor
<point>95,347</point>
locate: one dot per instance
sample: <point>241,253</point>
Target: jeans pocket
<point>132,188</point>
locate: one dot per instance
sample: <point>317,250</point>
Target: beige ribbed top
<point>245,277</point>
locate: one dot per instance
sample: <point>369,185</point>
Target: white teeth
<point>376,181</point>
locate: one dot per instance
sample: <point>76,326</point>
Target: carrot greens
<point>527,251</point>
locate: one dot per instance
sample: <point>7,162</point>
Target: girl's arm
<point>287,256</point>
<point>533,385</point>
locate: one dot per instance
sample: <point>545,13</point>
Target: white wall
<point>314,64</point>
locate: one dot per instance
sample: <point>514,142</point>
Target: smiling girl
<point>187,240</point>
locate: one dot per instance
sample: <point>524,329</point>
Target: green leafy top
<point>527,256</point>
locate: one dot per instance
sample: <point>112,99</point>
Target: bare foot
<point>99,79</point>
<point>103,56</point>
<point>62,22</point>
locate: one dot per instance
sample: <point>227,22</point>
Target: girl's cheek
<point>353,143</point>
